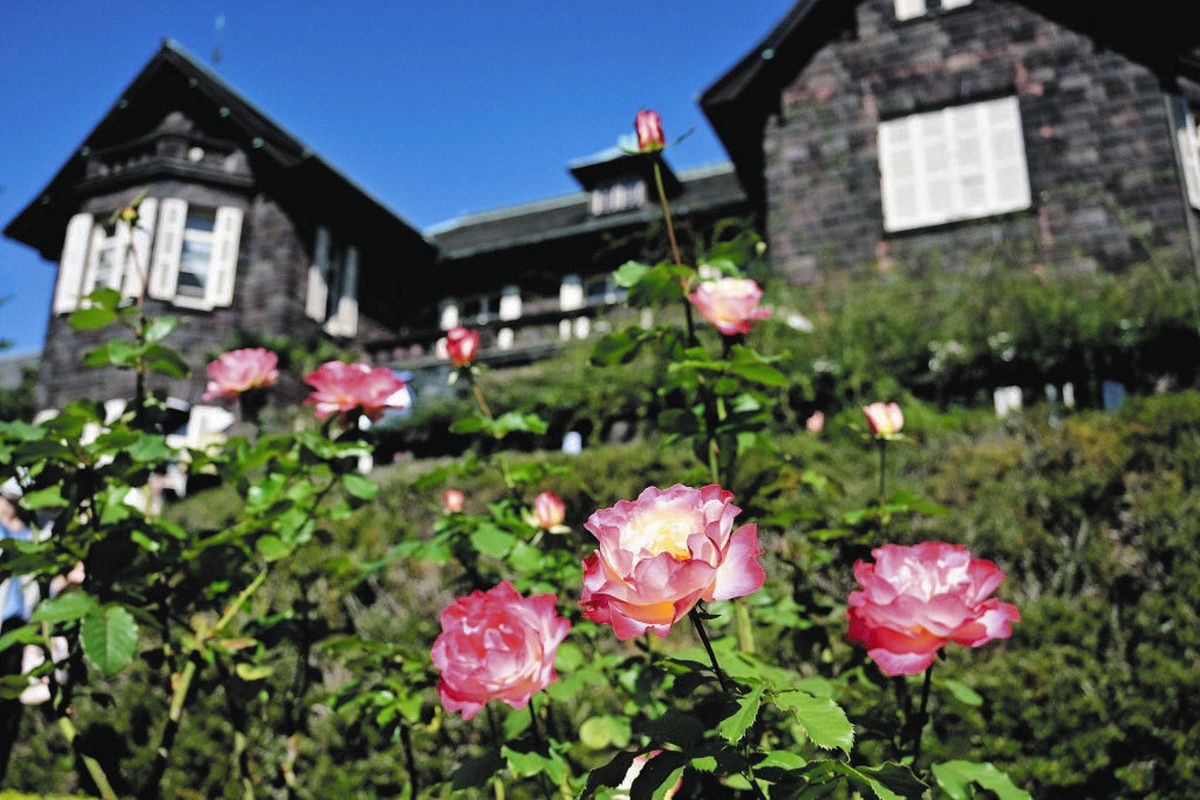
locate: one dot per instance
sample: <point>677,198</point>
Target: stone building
<point>927,132</point>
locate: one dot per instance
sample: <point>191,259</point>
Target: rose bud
<point>496,645</point>
<point>340,387</point>
<point>886,419</point>
<point>729,304</point>
<point>240,371</point>
<point>548,510</point>
<point>453,500</point>
<point>662,553</point>
<point>649,131</point>
<point>916,599</point>
<point>815,423</point>
<point>462,345</point>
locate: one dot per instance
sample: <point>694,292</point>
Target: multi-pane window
<point>619,196</point>
<point>910,9</point>
<point>1187,142</point>
<point>962,162</point>
<point>195,257</point>
<point>333,285</point>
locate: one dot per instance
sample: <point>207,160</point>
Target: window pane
<point>193,268</point>
<point>201,219</point>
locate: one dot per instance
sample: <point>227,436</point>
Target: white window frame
<point>200,237</point>
<point>223,242</point>
<point>1187,143</point>
<point>909,9</point>
<point>333,285</point>
<point>957,163</point>
<point>621,195</point>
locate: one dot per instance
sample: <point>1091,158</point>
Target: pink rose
<point>649,131</point>
<point>462,344</point>
<point>916,599</point>
<point>340,387</point>
<point>548,510</point>
<point>729,304</point>
<point>496,645</point>
<point>662,553</point>
<point>453,500</point>
<point>635,769</point>
<point>816,422</point>
<point>239,371</point>
<point>885,419</point>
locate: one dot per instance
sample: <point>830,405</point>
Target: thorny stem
<point>666,209</point>
<point>922,714</point>
<point>484,408</point>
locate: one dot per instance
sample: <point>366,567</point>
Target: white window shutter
<point>222,271</point>
<point>345,319</point>
<point>510,302</point>
<point>1188,142</point>
<point>120,251</point>
<point>71,265</point>
<point>447,315</point>
<point>1004,148</point>
<point>570,293</point>
<point>950,4</point>
<point>318,277</point>
<point>908,9</point>
<point>91,267</point>
<point>168,248</point>
<point>138,261</point>
<point>898,174</point>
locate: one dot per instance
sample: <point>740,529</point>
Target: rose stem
<point>882,468</point>
<point>922,715</point>
<point>541,745</point>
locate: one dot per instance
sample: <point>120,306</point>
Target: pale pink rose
<point>662,553</point>
<point>240,371</point>
<point>548,510</point>
<point>496,645</point>
<point>462,345</point>
<point>816,422</point>
<point>885,419</point>
<point>623,791</point>
<point>340,387</point>
<point>916,599</point>
<point>729,304</point>
<point>453,500</point>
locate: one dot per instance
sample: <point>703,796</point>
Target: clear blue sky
<point>439,108</point>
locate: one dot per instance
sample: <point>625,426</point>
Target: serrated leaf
<point>955,778</point>
<point>674,727</point>
<point>109,639</point>
<point>823,720</point>
<point>66,607</point>
<point>658,775</point>
<point>887,781</point>
<point>734,727</point>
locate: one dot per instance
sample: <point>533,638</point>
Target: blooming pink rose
<point>916,599</point>
<point>816,422</point>
<point>496,645</point>
<point>662,553</point>
<point>885,419</point>
<point>730,304</point>
<point>548,510</point>
<point>623,791</point>
<point>453,500</point>
<point>462,344</point>
<point>345,387</point>
<point>239,371</point>
<point>649,131</point>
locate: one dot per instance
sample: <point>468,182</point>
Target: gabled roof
<point>171,75</point>
<point>1163,38</point>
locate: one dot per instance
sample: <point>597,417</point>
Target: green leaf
<point>629,273</point>
<point>158,328</point>
<point>109,639</point>
<point>962,693</point>
<point>87,319</point>
<point>734,727</point>
<point>150,447</point>
<point>760,373</point>
<point>674,727</point>
<point>115,352</point>
<point>600,733</point>
<point>611,774</point>
<point>26,634</point>
<point>49,497</point>
<point>490,540</point>
<point>615,348</point>
<point>887,781</point>
<point>568,658</point>
<point>253,672</point>
<point>66,608</point>
<point>272,548</point>
<point>822,719</point>
<point>658,775</point>
<point>468,425</point>
<point>956,776</point>
<point>360,486</point>
<point>105,298</point>
<point>165,360</point>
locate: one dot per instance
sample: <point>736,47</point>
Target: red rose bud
<point>649,131</point>
<point>453,500</point>
<point>549,510</point>
<point>462,345</point>
<point>886,419</point>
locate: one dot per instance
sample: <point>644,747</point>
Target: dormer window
<point>620,195</point>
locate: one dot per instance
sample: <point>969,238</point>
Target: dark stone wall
<point>1098,145</point>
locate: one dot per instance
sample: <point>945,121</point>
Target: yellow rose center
<point>661,531</point>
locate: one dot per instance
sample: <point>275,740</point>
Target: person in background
<point>18,595</point>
